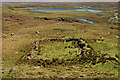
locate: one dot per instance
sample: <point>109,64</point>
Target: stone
<point>37,67</point>
<point>36,42</point>
<point>1,71</point>
<point>33,53</point>
<point>118,37</point>
<point>12,70</point>
<point>32,57</point>
<point>57,23</point>
<point>37,32</point>
<point>109,33</point>
<point>12,34</point>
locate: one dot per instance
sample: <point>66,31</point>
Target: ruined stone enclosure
<point>46,52</point>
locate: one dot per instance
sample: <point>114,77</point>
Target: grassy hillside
<point>20,21</point>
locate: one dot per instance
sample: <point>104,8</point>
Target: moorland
<point>51,44</point>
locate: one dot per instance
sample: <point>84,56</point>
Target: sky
<point>60,0</point>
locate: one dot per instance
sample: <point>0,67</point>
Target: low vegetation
<point>52,44</point>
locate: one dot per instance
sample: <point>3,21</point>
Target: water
<point>91,10</point>
<point>85,20</point>
<point>113,21</point>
